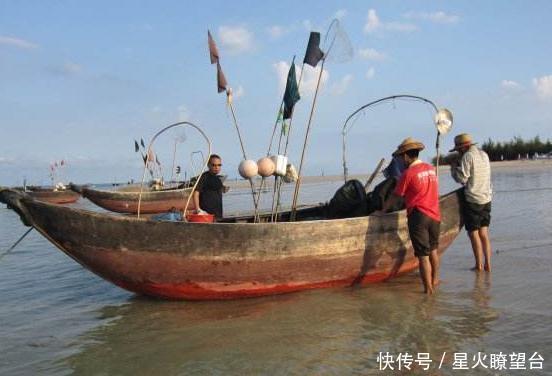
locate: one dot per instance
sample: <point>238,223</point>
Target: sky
<point>81,80</point>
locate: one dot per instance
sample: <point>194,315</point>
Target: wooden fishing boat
<point>235,258</point>
<point>51,195</point>
<point>125,200</point>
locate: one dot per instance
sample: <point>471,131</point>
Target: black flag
<point>136,147</point>
<point>291,95</point>
<point>313,54</point>
<point>142,143</point>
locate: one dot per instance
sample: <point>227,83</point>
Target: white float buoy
<point>248,169</point>
<point>266,167</point>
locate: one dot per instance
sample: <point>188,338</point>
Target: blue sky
<point>80,80</point>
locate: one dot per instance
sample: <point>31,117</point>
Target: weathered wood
<point>52,196</point>
<point>127,201</point>
<point>179,260</point>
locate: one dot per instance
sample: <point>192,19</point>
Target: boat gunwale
<point>132,218</point>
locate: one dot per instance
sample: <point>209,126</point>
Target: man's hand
<point>201,211</point>
<point>225,188</point>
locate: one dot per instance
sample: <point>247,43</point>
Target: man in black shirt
<point>208,195</point>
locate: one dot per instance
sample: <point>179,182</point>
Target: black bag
<point>380,194</point>
<point>348,201</point>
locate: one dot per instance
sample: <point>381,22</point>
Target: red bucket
<point>202,218</point>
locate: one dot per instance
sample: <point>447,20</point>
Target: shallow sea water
<point>56,318</point>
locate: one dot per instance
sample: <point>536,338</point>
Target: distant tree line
<point>516,148</point>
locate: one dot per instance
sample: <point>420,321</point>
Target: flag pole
<point>174,160</point>
<point>229,99</point>
<point>222,85</point>
<point>279,188</point>
<point>255,217</point>
<point>298,183</point>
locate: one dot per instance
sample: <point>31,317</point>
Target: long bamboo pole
<point>298,183</point>
<point>241,144</point>
<point>278,182</point>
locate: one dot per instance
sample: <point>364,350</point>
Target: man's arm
<point>460,170</point>
<point>195,197</point>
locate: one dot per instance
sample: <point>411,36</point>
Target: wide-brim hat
<point>408,144</point>
<point>462,140</point>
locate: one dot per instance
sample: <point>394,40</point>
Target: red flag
<point>213,52</point>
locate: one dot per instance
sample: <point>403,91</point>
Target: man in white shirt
<point>473,171</point>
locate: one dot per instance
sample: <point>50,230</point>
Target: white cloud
<point>401,27</point>
<point>341,86</point>
<point>17,42</point>
<point>370,73</point>
<point>543,86</point>
<point>66,69</point>
<point>371,54</point>
<point>183,113</point>
<point>71,68</point>
<point>6,160</point>
<point>437,17</point>
<point>374,24</point>
<point>236,39</point>
<point>307,24</point>
<point>508,84</point>
<point>309,80</point>
<point>276,31</point>
<point>239,92</point>
<point>340,14</point>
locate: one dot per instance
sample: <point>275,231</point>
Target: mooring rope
<point>15,244</point>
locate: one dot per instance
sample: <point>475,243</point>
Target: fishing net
<point>337,45</point>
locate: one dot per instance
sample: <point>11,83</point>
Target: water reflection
<point>410,322</point>
<point>325,331</point>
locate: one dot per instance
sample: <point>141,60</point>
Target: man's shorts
<point>424,232</point>
<point>476,215</point>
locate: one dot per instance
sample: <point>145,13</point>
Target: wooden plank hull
<point>127,202</point>
<point>54,197</point>
<point>196,261</point>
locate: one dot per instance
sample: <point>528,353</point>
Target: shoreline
<point>533,164</point>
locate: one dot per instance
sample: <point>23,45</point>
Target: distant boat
<point>52,195</point>
<point>234,258</point>
<point>125,199</point>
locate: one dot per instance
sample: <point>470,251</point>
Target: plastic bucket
<point>201,218</point>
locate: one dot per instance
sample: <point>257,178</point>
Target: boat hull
<point>151,202</point>
<point>198,261</point>
<point>54,197</point>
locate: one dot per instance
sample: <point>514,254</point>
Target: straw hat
<point>408,144</point>
<point>462,140</point>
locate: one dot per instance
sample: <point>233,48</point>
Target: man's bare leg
<point>425,274</point>
<point>434,261</point>
<point>486,246</point>
<point>477,249</point>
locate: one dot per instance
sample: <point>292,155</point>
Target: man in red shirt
<point>418,185</point>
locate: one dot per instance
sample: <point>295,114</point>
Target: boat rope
<point>16,243</point>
